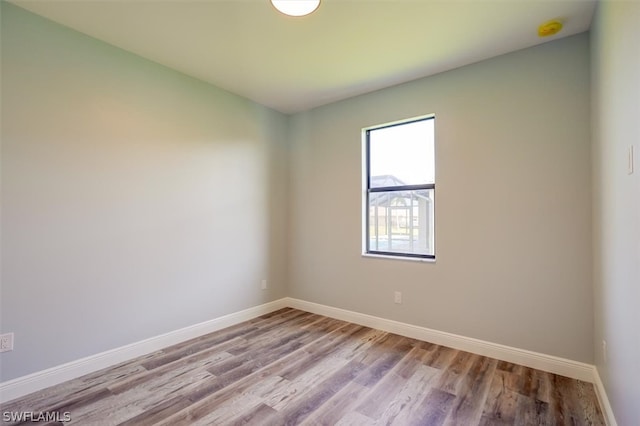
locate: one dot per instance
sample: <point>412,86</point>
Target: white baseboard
<point>52,376</point>
<point>34,382</point>
<point>548,363</point>
<point>603,400</point>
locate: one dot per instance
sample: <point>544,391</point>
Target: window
<point>399,188</point>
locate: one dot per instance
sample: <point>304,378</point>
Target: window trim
<point>367,190</point>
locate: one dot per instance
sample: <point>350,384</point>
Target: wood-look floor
<point>291,367</point>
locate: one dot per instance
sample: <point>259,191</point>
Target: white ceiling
<point>345,48</point>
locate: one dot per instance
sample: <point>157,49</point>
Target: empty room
<point>354,212</point>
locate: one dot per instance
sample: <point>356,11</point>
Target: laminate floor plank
<point>456,371</point>
<point>121,407</point>
<point>435,408</point>
<point>309,375</point>
<point>531,411</point>
<point>472,393</point>
<point>502,401</point>
<point>81,389</point>
<point>355,419</point>
<point>389,353</point>
<point>333,410</point>
<point>201,360</point>
<point>281,396</point>
<point>158,412</point>
<point>335,345</point>
<point>440,357</point>
<point>588,401</point>
<point>291,367</point>
<point>215,392</point>
<point>295,412</point>
<point>231,410</point>
<point>386,390</point>
<point>407,404</point>
<point>256,416</point>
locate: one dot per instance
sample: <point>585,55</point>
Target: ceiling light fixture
<point>296,7</point>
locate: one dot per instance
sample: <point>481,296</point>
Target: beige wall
<point>513,202</point>
<point>135,200</point>
<point>616,114</point>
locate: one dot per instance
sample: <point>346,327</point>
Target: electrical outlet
<point>263,285</point>
<point>6,342</point>
<point>604,351</point>
<point>397,297</point>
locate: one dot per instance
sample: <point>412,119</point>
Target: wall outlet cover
<point>6,342</point>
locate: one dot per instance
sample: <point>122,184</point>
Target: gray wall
<point>135,200</point>
<point>513,203</point>
<point>616,126</point>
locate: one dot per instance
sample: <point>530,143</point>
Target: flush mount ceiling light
<point>296,7</point>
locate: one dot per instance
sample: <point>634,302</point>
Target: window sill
<point>407,258</point>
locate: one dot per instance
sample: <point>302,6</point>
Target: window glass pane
<point>402,154</point>
<point>402,222</point>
